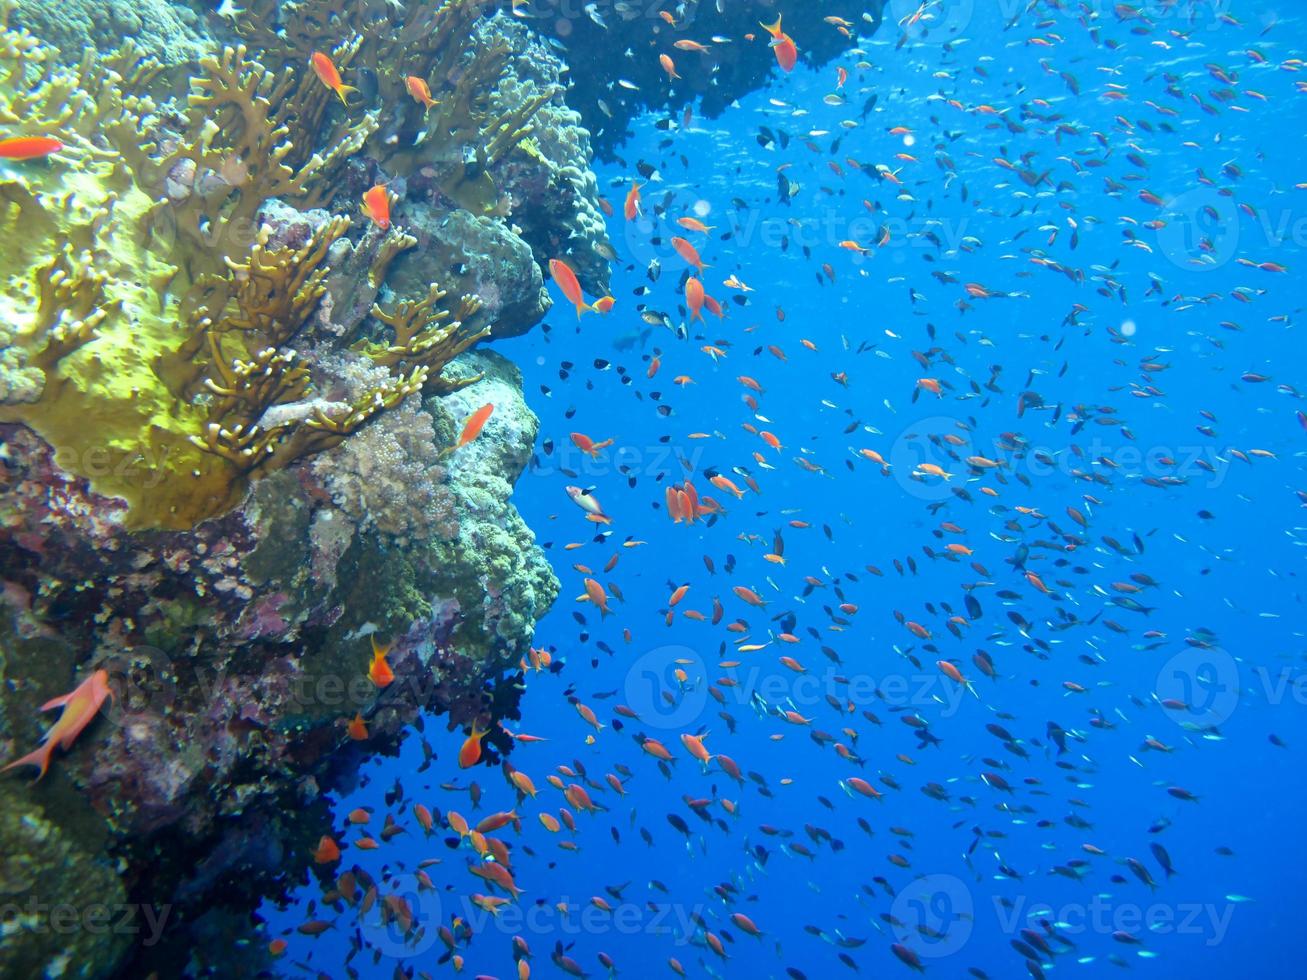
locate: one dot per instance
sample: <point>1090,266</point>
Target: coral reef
<point>240,649</point>
<point>170,31</point>
<point>224,410</point>
<point>172,312</point>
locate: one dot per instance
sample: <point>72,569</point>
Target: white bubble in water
<point>1128,328</point>
<point>702,208</point>
<point>909,140</point>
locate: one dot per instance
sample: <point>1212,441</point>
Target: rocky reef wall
<point>229,407</point>
<point>612,48</point>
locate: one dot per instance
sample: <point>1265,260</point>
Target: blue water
<point>1223,544</point>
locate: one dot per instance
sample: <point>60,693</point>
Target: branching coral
<point>462,135</point>
<point>161,347</point>
<point>424,339</point>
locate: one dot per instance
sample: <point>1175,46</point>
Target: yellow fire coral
<point>148,313</point>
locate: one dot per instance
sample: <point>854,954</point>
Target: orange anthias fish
<point>376,202</point>
<point>470,753</point>
<point>694,298</point>
<point>787,53</point>
<point>472,428</point>
<point>28,147</point>
<point>688,252</point>
<point>421,91</point>
<point>632,206</point>
<point>80,705</point>
<point>379,671</point>
<point>327,74</point>
<point>357,728</point>
<point>563,275</point>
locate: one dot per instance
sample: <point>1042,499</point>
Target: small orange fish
<point>603,304</point>
<point>329,76</point>
<point>694,298</point>
<point>587,445</point>
<point>327,851</point>
<point>80,706</point>
<point>28,147</point>
<point>379,671</point>
<point>632,207</point>
<point>688,252</point>
<point>470,753</point>
<point>472,428</point>
<point>563,275</point>
<point>787,54</point>
<point>376,202</point>
<point>357,728</point>
<point>669,66</point>
<point>421,92</point>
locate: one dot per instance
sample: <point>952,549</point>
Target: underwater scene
<point>721,488</point>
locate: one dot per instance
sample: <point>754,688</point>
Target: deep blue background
<point>1225,547</point>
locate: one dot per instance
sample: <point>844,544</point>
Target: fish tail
<point>583,307</point>
<point>773,29</point>
<point>39,757</point>
<point>342,89</point>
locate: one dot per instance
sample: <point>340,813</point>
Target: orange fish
<point>669,66</point>
<point>603,304</point>
<point>688,252</point>
<point>327,74</point>
<point>379,671</point>
<point>587,445</point>
<point>376,202</point>
<point>782,44</point>
<point>421,91</point>
<point>472,428</point>
<point>357,728</point>
<point>327,851</point>
<point>632,208</point>
<point>470,753</point>
<point>694,297</point>
<point>28,147</point>
<point>80,706</point>
<point>594,592</point>
<point>563,275</point>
